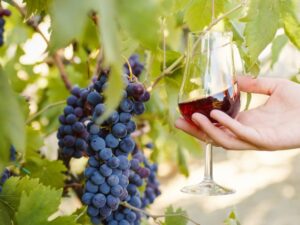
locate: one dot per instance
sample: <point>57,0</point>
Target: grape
<point>125,117</point>
<point>127,145</point>
<point>134,164</point>
<point>113,202</point>
<point>105,170</point>
<point>92,211</point>
<point>89,171</point>
<point>67,151</point>
<point>62,119</point>
<point>97,178</point>
<point>126,105</point>
<point>67,129</point>
<point>70,119</point>
<point>149,145</point>
<point>135,201</point>
<point>135,65</point>
<point>87,198</point>
<point>78,112</point>
<point>105,211</point>
<point>116,190</point>
<point>131,216</point>
<point>145,97</point>
<point>124,163</point>
<point>99,110</point>
<point>105,154</point>
<point>114,118</point>
<point>119,130</point>
<point>94,98</point>
<point>94,129</point>
<point>97,143</point>
<point>113,162</point>
<point>69,141</point>
<point>139,108</point>
<point>76,91</point>
<point>68,110</point>
<point>104,188</point>
<point>72,100</point>
<point>95,220</point>
<point>80,144</point>
<point>78,127</point>
<point>93,162</point>
<point>99,200</point>
<point>113,222</point>
<point>90,187</point>
<point>130,126</point>
<point>13,153</point>
<point>113,180</point>
<point>111,141</point>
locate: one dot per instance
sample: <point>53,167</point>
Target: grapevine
<point>116,167</point>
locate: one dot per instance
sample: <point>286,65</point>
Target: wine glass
<point>209,83</point>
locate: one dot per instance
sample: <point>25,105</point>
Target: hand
<point>272,126</point>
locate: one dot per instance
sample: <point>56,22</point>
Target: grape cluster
<point>13,153</point>
<point>111,178</point>
<point>72,134</point>
<point>136,66</point>
<point>5,175</point>
<point>3,13</point>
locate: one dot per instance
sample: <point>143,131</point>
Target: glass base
<point>208,188</point>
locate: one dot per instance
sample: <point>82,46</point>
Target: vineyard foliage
<point>53,45</point>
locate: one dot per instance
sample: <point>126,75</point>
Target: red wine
<point>227,101</point>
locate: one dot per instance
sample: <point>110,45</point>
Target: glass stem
<point>208,170</point>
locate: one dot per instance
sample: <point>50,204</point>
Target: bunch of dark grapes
<point>3,13</point>
<point>110,177</point>
<point>72,134</point>
<point>136,66</point>
<point>5,175</point>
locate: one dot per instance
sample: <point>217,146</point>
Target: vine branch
<point>35,115</point>
<point>168,70</point>
<point>56,57</point>
<point>155,217</point>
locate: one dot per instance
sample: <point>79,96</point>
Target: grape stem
<point>156,217</point>
<point>35,115</point>
<point>56,56</point>
<point>168,71</point>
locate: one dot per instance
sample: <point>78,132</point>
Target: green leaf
<point>68,22</point>
<point>64,220</point>
<point>181,160</point>
<point>48,172</point>
<point>135,16</point>
<point>43,200</point>
<point>12,190</point>
<point>12,130</point>
<point>277,45</point>
<point>232,219</point>
<point>199,14</point>
<point>33,143</point>
<point>262,23</point>
<point>175,220</point>
<point>111,43</point>
<point>291,23</point>
<point>36,6</point>
<point>4,213</point>
<point>115,86</point>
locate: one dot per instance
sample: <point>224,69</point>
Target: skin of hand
<point>274,125</point>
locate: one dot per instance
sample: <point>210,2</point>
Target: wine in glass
<point>209,83</point>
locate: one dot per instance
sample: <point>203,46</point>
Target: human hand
<point>272,126</point>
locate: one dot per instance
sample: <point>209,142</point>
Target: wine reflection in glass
<point>209,83</point>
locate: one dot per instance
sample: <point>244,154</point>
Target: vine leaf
<point>147,14</point>
<point>12,130</point>
<point>36,6</point>
<point>262,22</point>
<point>277,45</point>
<point>175,220</point>
<point>290,22</point>
<point>111,44</point>
<point>69,220</point>
<point>199,13</point>
<point>41,199</point>
<point>67,22</point>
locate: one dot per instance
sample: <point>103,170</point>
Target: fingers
<point>264,85</point>
<point>192,130</point>
<point>219,136</point>
<point>243,132</point>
